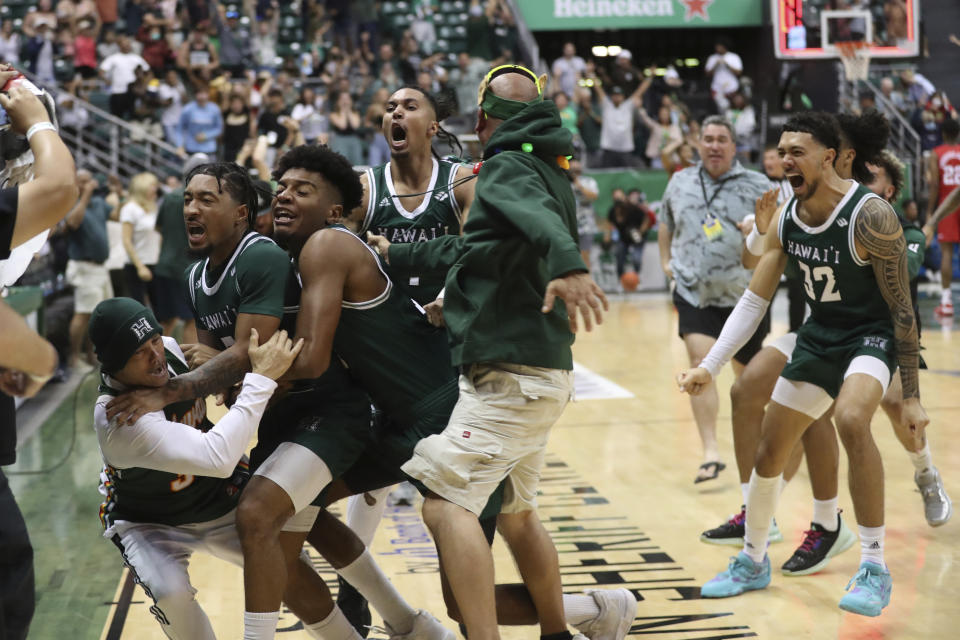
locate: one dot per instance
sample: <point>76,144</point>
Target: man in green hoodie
<point>518,253</point>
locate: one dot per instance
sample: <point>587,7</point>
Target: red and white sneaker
<point>944,309</point>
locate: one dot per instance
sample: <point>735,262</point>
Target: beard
<point>200,253</point>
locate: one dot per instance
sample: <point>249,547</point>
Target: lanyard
<point>703,189</point>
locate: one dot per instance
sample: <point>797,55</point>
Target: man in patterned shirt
<point>700,250</point>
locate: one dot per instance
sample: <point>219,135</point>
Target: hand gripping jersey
<point>260,279</point>
<point>256,279</point>
<point>438,215</point>
<point>147,495</point>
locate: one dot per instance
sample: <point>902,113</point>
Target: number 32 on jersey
<point>830,293</point>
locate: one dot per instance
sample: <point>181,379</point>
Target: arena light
<point>691,62</point>
<point>678,62</point>
<point>614,50</point>
<point>599,51</point>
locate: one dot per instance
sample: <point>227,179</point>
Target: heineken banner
<point>570,15</point>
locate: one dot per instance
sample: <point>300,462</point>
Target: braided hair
<point>442,109</point>
<point>233,179</point>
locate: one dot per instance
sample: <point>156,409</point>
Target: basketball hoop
<point>855,56</point>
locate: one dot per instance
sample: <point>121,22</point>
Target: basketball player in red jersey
<point>944,171</point>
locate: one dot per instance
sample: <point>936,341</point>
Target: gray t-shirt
<point>707,270</point>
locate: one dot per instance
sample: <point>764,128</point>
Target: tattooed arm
<point>879,235</point>
<point>217,374</point>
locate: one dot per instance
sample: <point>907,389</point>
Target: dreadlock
<point>233,179</point>
<point>442,109</point>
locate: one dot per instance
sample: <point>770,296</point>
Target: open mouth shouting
<point>196,234</point>
<point>398,136</point>
<point>796,180</point>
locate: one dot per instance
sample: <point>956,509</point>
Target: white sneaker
<point>403,495</point>
<point>618,608</point>
<point>425,627</point>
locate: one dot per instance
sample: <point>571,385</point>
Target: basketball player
<point>442,190</point>
<point>828,534</point>
<point>850,248</point>
<point>172,479</point>
<point>861,138</point>
<point>393,351</point>
<point>442,194</point>
<point>246,282</point>
<point>943,170</point>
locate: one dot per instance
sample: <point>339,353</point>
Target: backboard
<point>808,29</point>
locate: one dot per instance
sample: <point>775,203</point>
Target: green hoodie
<point>521,233</point>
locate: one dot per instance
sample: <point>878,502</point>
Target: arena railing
<point>106,144</point>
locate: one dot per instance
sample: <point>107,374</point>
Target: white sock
<point>783,485</point>
<point>871,545</point>
<point>825,513</point>
<point>579,608</point>
<point>260,626</point>
<point>334,627</point>
<point>761,504</point>
<point>744,490</point>
<point>921,459</point>
<point>945,296</point>
<point>364,518</point>
<point>367,578</point>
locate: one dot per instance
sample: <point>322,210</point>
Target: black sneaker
<point>818,546</point>
<point>731,532</point>
<point>354,607</point>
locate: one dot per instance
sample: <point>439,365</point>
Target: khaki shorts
<point>91,284</point>
<point>498,431</point>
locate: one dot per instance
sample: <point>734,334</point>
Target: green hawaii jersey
<point>147,495</point>
<point>438,215</point>
<point>401,360</point>
<point>259,278</point>
<point>256,280</point>
<point>840,287</point>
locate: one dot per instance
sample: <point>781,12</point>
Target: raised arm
<point>878,233</point>
<point>45,200</point>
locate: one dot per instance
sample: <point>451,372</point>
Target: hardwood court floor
<point>619,499</point>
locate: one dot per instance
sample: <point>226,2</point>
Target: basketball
<point>629,280</point>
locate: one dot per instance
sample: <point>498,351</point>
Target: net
<point>855,56</point>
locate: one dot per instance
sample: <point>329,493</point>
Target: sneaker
<point>731,532</point>
<point>403,495</point>
<point>871,592</point>
<point>944,309</point>
<point>354,606</point>
<point>618,608</point>
<point>937,506</point>
<point>425,627</point>
<point>742,574</point>
<point>818,546</point>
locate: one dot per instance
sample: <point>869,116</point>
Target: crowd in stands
<point>625,116</point>
<point>220,78</point>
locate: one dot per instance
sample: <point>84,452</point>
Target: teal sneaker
<point>742,574</point>
<point>871,592</point>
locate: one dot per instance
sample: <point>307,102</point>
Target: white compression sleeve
<point>755,242</point>
<point>153,442</point>
<point>737,330</point>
